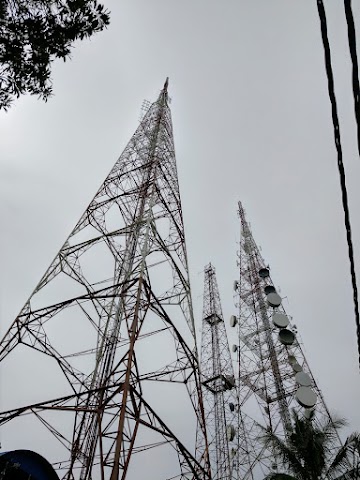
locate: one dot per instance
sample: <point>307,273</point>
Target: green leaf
<point>33,34</point>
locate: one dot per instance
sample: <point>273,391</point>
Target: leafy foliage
<point>35,32</point>
<point>308,453</point>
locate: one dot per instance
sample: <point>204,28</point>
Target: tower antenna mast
<point>218,381</point>
<point>111,326</point>
<point>272,373</point>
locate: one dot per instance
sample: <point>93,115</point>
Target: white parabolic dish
<point>292,359</point>
<point>230,432</point>
<point>306,397</point>
<point>296,367</point>
<point>303,379</point>
<point>280,320</point>
<point>286,336</point>
<point>274,299</point>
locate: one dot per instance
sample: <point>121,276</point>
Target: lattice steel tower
<point>109,331</point>
<point>272,373</point>
<point>217,377</point>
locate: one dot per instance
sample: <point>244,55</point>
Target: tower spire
<point>166,84</point>
<point>111,326</point>
<point>163,97</point>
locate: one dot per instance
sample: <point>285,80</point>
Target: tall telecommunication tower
<point>110,332</point>
<point>217,377</point>
<point>272,373</point>
<point>230,450</point>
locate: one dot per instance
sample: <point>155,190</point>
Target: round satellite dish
<point>280,320</point>
<point>286,336</point>
<point>303,379</point>
<point>234,348</point>
<point>306,397</point>
<point>231,406</point>
<point>233,321</point>
<point>292,359</point>
<point>296,367</point>
<point>269,289</point>
<point>236,285</point>
<point>264,272</point>
<point>230,431</point>
<point>274,300</point>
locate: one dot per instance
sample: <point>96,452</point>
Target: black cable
<point>355,68</point>
<point>345,204</point>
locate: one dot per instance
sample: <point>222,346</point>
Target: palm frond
<point>309,448</point>
<point>307,440</point>
<point>331,427</point>
<point>342,458</point>
<point>352,474</point>
<point>288,456</point>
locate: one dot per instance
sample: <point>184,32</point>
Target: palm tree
<point>308,452</point>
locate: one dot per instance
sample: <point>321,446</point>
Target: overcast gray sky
<point>252,121</point>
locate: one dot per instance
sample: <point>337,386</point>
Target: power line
<point>337,138</point>
<point>355,69</point>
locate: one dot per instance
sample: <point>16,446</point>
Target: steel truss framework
<point>230,450</point>
<point>264,366</point>
<point>113,318</point>
<point>217,377</point>
<point>225,421</point>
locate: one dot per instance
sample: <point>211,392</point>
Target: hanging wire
<point>345,204</point>
<point>355,68</point>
